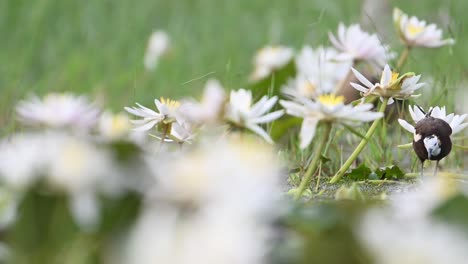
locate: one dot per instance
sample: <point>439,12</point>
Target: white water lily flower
<point>167,114</point>
<point>210,109</point>
<point>327,107</point>
<point>269,59</point>
<point>58,111</point>
<point>158,45</point>
<point>417,33</point>
<point>358,45</point>
<point>455,121</point>
<point>317,72</point>
<point>242,113</point>
<point>391,85</point>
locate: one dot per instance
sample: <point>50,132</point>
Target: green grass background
<point>97,47</point>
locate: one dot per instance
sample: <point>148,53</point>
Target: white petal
<point>136,111</point>
<point>362,79</point>
<point>147,126</point>
<point>386,76</point>
<point>293,108</point>
<point>259,131</point>
<point>146,110</point>
<point>264,107</point>
<point>406,126</point>
<point>458,128</point>
<point>359,87</point>
<point>268,117</point>
<point>307,133</point>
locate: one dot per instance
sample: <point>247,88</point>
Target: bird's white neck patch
<point>417,137</point>
<point>432,144</point>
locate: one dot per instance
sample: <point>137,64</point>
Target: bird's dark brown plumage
<point>432,126</point>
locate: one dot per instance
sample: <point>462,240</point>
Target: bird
<point>432,140</point>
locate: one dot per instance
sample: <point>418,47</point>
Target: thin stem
<point>318,177</point>
<point>166,129</point>
<point>315,161</point>
<point>403,58</point>
<point>361,145</point>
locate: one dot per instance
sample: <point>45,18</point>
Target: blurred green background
<point>97,47</point>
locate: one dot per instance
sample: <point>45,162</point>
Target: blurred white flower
<point>408,216</point>
<point>114,126</point>
<point>58,110</point>
<point>210,109</point>
<point>242,113</point>
<point>455,121</point>
<point>158,45</point>
<point>167,114</point>
<point>422,199</point>
<point>418,242</point>
<point>182,132</point>
<point>69,164</point>
<point>327,107</point>
<point>196,206</point>
<point>417,33</point>
<point>391,85</point>
<point>269,59</point>
<point>358,45</point>
<point>218,172</point>
<point>23,159</point>
<point>75,164</point>
<point>317,72</point>
<point>165,235</point>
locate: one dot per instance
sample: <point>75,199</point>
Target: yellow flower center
<point>394,76</point>
<point>171,104</point>
<point>331,99</point>
<point>414,29</point>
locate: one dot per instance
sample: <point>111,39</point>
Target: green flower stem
<point>315,161</point>
<point>403,58</point>
<point>361,145</point>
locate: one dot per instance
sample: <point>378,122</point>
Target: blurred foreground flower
<point>409,215</point>
<point>65,163</point>
<point>417,33</point>
<point>197,206</point>
<point>58,111</point>
<point>328,108</point>
<point>316,70</point>
<point>114,126</point>
<point>391,86</point>
<point>269,59</point>
<point>455,121</point>
<point>158,45</point>
<point>241,113</point>
<point>358,45</point>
